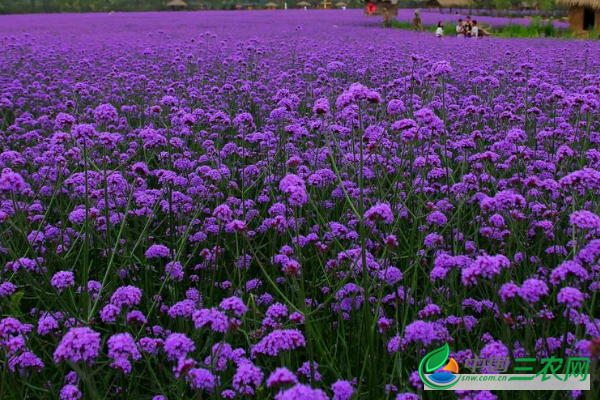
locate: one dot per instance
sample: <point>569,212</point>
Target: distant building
<point>271,6</point>
<point>529,6</point>
<point>450,4</point>
<point>177,5</point>
<point>584,15</point>
<point>248,6</point>
<point>326,5</point>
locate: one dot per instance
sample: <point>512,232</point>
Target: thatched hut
<point>584,15</point>
<point>326,5</point>
<point>177,5</point>
<point>271,6</point>
<point>341,4</point>
<point>303,4</point>
<point>450,4</point>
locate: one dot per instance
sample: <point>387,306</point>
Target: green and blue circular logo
<point>433,361</point>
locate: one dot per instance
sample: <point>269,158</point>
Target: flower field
<point>289,205</point>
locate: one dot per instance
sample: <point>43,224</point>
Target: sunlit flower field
<point>289,205</point>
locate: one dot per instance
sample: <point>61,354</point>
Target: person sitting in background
<point>475,30</point>
<point>439,32</point>
<point>460,29</point>
<point>468,26</point>
<point>482,31</point>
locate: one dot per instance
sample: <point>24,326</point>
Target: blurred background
<point>491,7</point>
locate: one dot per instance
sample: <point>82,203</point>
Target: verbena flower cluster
<point>290,206</point>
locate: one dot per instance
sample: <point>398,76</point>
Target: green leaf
<point>437,358</point>
<point>15,302</point>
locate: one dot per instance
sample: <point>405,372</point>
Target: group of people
<point>464,29</point>
<point>467,28</point>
